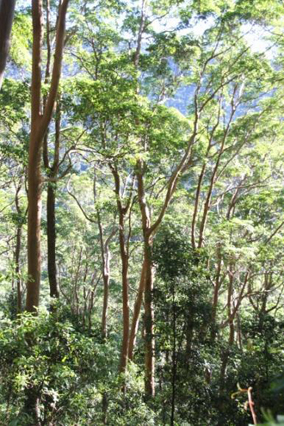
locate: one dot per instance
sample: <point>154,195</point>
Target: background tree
<point>7,8</point>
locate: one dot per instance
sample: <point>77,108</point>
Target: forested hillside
<point>142,212</point>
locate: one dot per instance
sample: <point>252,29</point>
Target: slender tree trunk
<point>189,336</point>
<point>105,408</point>
<point>149,321</point>
<point>17,268</point>
<point>52,173</point>
<point>226,356</point>
<point>239,332</point>
<point>105,254</point>
<point>174,359</point>
<point>31,407</point>
<point>136,313</point>
<point>123,245</point>
<point>217,285</point>
<point>34,218</point>
<point>34,164</point>
<point>140,34</point>
<point>106,277</point>
<point>149,310</point>
<point>18,250</point>
<point>196,205</point>
<point>226,353</point>
<point>50,208</point>
<point>125,302</point>
<point>51,241</point>
<point>7,8</point>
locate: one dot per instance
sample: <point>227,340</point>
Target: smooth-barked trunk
<point>7,8</point>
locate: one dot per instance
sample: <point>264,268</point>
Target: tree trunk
<point>51,190</point>
<point>125,302</point>
<point>34,218</point>
<point>123,245</point>
<point>217,285</point>
<point>149,311</point>
<point>225,356</point>
<point>51,198</point>
<point>227,351</point>
<point>105,254</point>
<point>149,322</point>
<point>31,407</point>
<point>51,241</point>
<point>17,267</point>
<point>196,205</point>
<point>174,358</point>
<point>104,408</point>
<point>7,8</point>
<point>105,304</point>
<point>18,250</point>
<point>136,313</point>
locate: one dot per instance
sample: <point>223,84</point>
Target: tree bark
<point>51,199</point>
<point>34,173</point>
<point>105,254</point>
<point>7,8</point>
<point>123,245</point>
<point>125,301</point>
<point>174,357</point>
<point>18,251</point>
<point>136,313</point>
<point>52,172</point>
<point>149,311</point>
<point>196,205</point>
<point>106,277</point>
<point>17,268</point>
<point>149,321</point>
<point>217,286</point>
<point>227,351</point>
<point>51,241</point>
<point>34,218</point>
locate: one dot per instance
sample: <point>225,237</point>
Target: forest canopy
<point>142,212</point>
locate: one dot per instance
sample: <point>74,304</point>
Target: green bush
<point>73,377</point>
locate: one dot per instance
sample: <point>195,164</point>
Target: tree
<point>39,125</point>
<point>7,8</point>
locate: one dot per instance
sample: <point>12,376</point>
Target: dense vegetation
<point>142,223</point>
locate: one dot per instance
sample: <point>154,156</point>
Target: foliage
<point>70,372</point>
